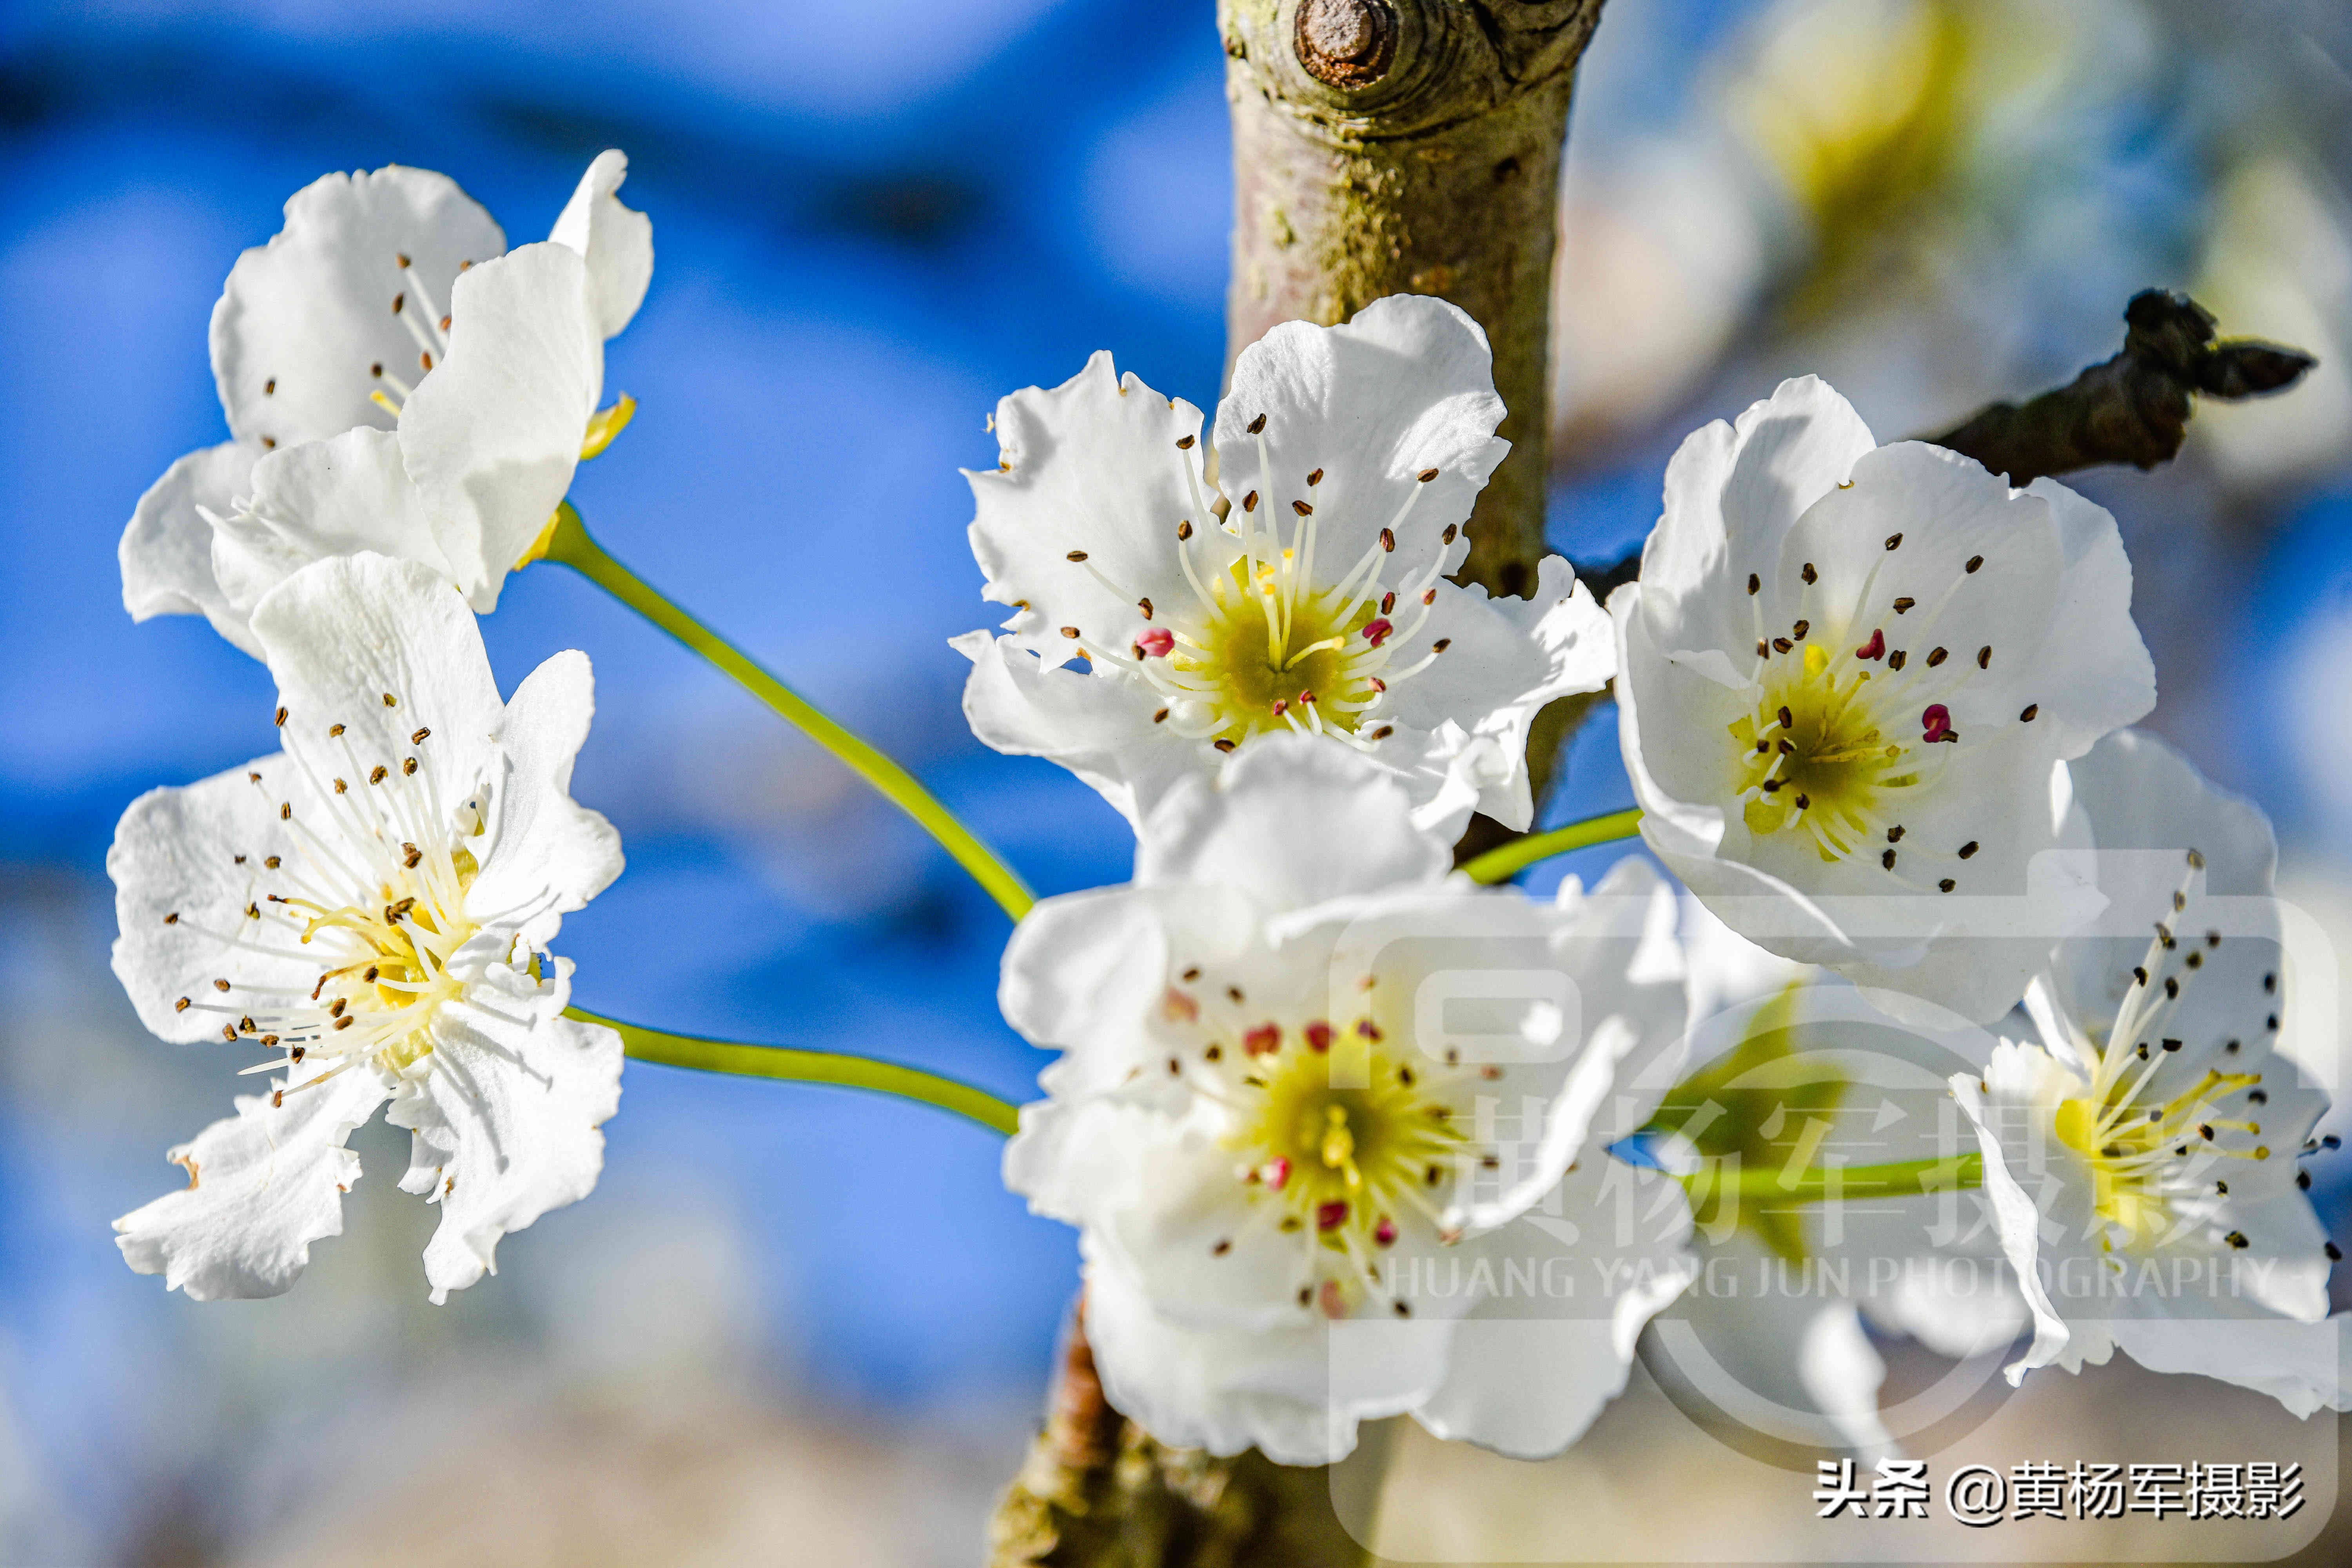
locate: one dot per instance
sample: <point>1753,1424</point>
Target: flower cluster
<point>369,907</point>
<point>1874,705</point>
<point>1346,1134</point>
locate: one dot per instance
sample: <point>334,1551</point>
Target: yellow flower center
<point>1344,1159</point>
<point>1269,661</point>
<point>374,885</point>
<point>1814,757</point>
<point>2139,1154</point>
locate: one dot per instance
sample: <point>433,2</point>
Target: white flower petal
<point>617,241</point>
<point>1726,969</point>
<point>1292,822</point>
<point>2146,808</point>
<point>1733,492</point>
<point>505,1117</point>
<point>1603,967</point>
<point>262,1186</point>
<point>187,863</point>
<point>1069,1156</point>
<point>1958,1314</point>
<point>1087,723</point>
<point>1679,772</point>
<point>1923,961</point>
<point>2018,1075</point>
<point>347,633</point>
<point>167,549</point>
<point>2099,677</point>
<point>322,499</point>
<point>1407,385</point>
<point>1505,659</point>
<point>550,855</point>
<point>1527,1371</point>
<point>1791,1365</point>
<point>305,330</point>
<point>1092,465</point>
<point>492,436</point>
<point>1077,961</point>
<point>1163,1211</point>
<point>1222,1392</point>
<point>1453,770</point>
<point>2303,1365</point>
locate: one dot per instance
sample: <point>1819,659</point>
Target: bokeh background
<point>796,1326</point>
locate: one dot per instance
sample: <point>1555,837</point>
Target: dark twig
<point>2135,407</point>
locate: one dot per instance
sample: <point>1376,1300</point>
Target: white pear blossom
<point>1320,1100</point>
<point>1790,1062</point>
<point>394,380</point>
<point>2146,1158</point>
<point>1851,678</point>
<point>1296,584</point>
<point>369,908</point>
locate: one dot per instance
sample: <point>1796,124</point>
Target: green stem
<point>1507,861</point>
<point>1896,1179</point>
<point>809,1067</point>
<point>569,543</point>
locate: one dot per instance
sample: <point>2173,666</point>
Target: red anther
<point>1385,1233</point>
<point>1331,1215</point>
<point>1377,632</point>
<point>1276,1173</point>
<point>1333,1300</point>
<point>1177,1006</point>
<point>1936,724</point>
<point>1366,1029</point>
<point>1876,647</point>
<point>1157,642</point>
<point>1318,1036</point>
<point>1263,1041</point>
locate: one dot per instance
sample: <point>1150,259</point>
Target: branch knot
<point>1345,43</point>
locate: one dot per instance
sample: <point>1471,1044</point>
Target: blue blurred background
<point>800,1312</point>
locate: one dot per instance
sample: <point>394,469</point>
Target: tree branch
<point>2133,408</point>
<point>1100,1492</point>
